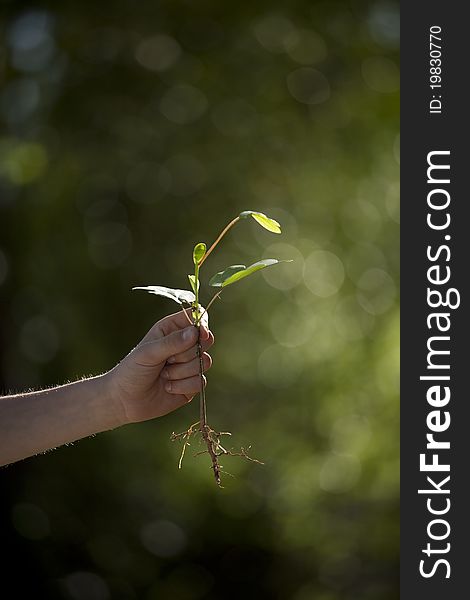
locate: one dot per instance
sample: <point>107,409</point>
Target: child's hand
<point>162,372</point>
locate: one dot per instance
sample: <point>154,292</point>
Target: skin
<point>158,376</point>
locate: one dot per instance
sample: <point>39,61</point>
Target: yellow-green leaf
<point>192,281</point>
<point>198,252</point>
<point>263,220</point>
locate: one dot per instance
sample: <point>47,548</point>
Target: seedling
<point>189,301</point>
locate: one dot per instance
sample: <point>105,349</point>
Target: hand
<point>162,372</point>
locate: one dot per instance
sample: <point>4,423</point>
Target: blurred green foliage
<point>129,132</point>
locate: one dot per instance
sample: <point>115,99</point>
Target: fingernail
<point>171,360</point>
<point>165,374</point>
<point>168,386</point>
<point>188,334</point>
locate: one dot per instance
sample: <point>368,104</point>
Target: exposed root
<point>214,447</point>
<point>185,435</point>
<point>210,437</point>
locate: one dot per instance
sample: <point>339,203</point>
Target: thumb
<point>158,351</point>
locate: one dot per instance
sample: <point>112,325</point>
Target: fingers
<point>154,352</point>
<point>187,369</point>
<point>188,387</point>
<point>175,322</point>
<point>188,355</point>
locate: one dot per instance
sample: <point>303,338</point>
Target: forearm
<point>34,422</point>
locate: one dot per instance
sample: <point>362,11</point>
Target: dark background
<point>129,132</point>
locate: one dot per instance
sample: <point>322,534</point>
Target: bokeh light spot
<point>163,538</point>
<point>31,42</point>
<point>339,473</point>
<point>22,162</point>
<point>305,46</point>
<point>158,53</point>
<point>84,585</point>
<point>376,291</point>
<point>323,273</point>
<point>362,256</point>
<point>19,100</point>
<point>384,23</point>
<point>308,86</point>
<point>183,104</point>
<point>350,433</point>
<point>283,276</point>
<point>272,32</point>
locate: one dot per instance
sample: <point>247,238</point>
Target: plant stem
<point>203,426</point>
<point>206,310</point>
<point>229,226</point>
<point>202,404</point>
<point>197,314</point>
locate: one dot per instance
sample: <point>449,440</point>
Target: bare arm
<point>159,375</point>
<point>35,422</point>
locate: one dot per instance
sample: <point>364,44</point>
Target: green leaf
<point>179,296</point>
<point>198,252</point>
<point>220,277</point>
<point>262,219</point>
<point>192,281</point>
<point>236,272</point>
